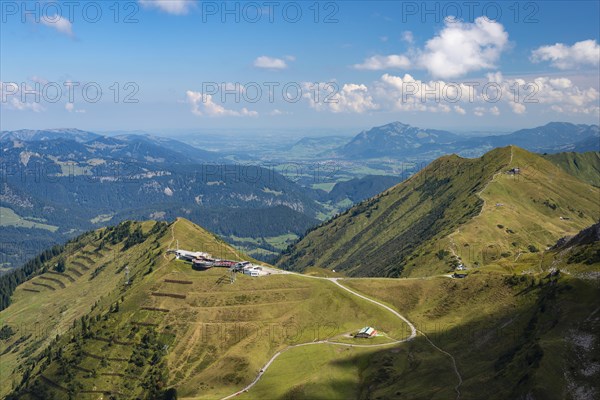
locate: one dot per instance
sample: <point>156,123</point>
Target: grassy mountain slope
<point>359,189</point>
<point>520,336</point>
<point>171,327</point>
<point>525,214</point>
<point>527,335</point>
<point>514,337</point>
<point>455,210</point>
<point>576,255</point>
<point>585,166</point>
<point>48,304</point>
<point>176,330</point>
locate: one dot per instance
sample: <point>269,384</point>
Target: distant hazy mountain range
<point>397,140</point>
<point>56,183</point>
<point>79,145</point>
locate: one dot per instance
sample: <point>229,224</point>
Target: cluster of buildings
<point>248,269</point>
<point>203,261</point>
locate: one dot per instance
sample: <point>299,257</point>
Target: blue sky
<point>374,62</point>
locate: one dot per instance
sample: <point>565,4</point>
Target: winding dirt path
<point>451,236</point>
<point>414,332</point>
<point>172,238</point>
<point>460,381</point>
<point>453,251</point>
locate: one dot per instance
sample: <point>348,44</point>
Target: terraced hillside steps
<point>208,326</point>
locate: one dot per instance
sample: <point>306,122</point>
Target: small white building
<point>252,270</point>
<point>366,332</point>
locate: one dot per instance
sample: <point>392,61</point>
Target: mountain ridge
<point>427,224</point>
<point>395,138</point>
<point>402,140</point>
<point>125,318</point>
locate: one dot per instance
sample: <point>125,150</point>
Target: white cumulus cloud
<point>59,23</point>
<point>459,110</point>
<point>498,95</point>
<point>408,37</point>
<point>203,105</point>
<point>70,107</point>
<point>277,112</point>
<point>271,62</point>
<point>459,48</point>
<point>562,56</point>
<point>175,7</point>
<point>517,108</point>
<point>351,98</point>
<point>15,104</point>
<point>12,98</point>
<point>377,63</point>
